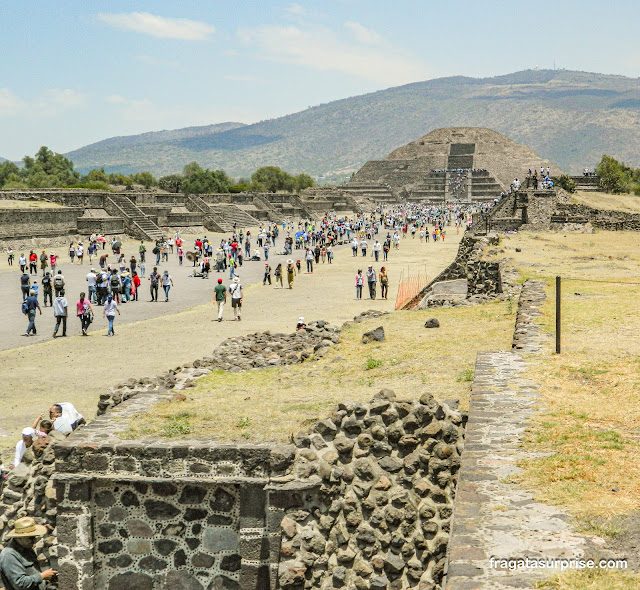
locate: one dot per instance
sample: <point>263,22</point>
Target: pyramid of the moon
<point>469,163</point>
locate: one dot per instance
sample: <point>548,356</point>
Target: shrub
<point>567,183</point>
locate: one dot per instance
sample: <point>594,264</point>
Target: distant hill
<point>569,117</point>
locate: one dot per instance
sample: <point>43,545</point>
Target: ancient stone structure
<point>143,214</point>
<point>428,169</point>
<point>483,277</point>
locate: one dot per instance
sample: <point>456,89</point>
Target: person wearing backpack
<point>84,312</point>
<point>154,277</point>
<point>115,284</point>
<point>47,288</point>
<point>58,283</point>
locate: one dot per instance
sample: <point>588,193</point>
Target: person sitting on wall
<point>65,417</point>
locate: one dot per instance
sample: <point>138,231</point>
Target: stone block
<point>216,539</point>
<point>254,547</point>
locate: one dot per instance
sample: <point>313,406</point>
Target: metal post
<point>558,314</point>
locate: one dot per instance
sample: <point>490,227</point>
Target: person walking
<point>58,282</point>
<point>60,312</point>
<point>167,283</point>
<point>135,280</point>
<point>44,262</point>
<point>25,284</point>
<point>220,297</point>
<point>267,274</point>
<point>109,311</point>
<point>291,271</point>
<point>235,289</point>
<point>371,281</point>
<point>22,261</point>
<point>116,284</point>
<point>376,250</point>
<point>33,263</point>
<point>359,283</point>
<point>384,283</point>
<point>309,260</point>
<point>84,312</point>
<point>31,304</point>
<point>47,288</point>
<point>278,275</point>
<point>92,285</point>
<point>19,566</point>
<point>142,251</point>
<point>154,277</point>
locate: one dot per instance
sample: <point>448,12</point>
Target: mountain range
<point>569,117</point>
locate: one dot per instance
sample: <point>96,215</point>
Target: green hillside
<point>572,118</point>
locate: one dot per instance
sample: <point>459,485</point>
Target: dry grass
<point>591,425</point>
<point>627,202</point>
<point>592,579</point>
<point>272,404</point>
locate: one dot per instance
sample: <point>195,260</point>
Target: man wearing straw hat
<point>19,567</point>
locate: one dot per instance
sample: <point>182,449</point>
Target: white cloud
<point>65,97</point>
<point>295,9</point>
<point>10,104</point>
<point>320,49</point>
<point>159,26</point>
<point>364,35</point>
<point>116,99</point>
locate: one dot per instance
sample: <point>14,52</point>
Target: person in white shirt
<point>167,283</point>
<point>23,444</point>
<point>109,311</point>
<point>65,417</point>
<point>60,312</point>
<point>92,284</point>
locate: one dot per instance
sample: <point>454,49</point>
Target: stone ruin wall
<point>363,499</point>
<point>484,278</point>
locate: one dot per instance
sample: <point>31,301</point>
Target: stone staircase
<point>431,190</point>
<point>137,223</point>
<point>586,184</point>
<point>378,193</point>
<point>483,186</point>
<point>262,203</point>
<point>228,214</point>
<point>211,222</point>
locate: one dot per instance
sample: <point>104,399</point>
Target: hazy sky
<point>73,72</point>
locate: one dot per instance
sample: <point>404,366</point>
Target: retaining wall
<point>32,223</point>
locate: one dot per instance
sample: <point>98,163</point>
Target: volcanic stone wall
<point>362,500</point>
<point>31,223</point>
<point>380,514</point>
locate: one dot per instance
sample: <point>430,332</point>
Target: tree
<point>8,169</point>
<point>146,179</point>
<point>271,179</point>
<point>304,181</point>
<point>567,183</point>
<point>96,175</point>
<point>614,176</point>
<point>171,183</point>
<point>198,180</point>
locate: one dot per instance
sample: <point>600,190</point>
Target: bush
<point>566,183</point>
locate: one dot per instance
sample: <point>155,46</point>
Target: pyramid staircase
<point>138,224</point>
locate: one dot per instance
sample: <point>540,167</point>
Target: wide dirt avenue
<point>153,337</point>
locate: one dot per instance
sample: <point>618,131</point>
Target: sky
<point>74,72</point>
